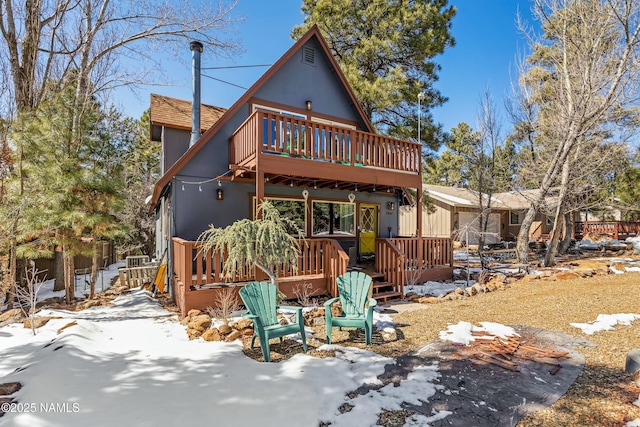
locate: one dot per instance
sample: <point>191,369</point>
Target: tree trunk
<point>552,247</point>
<point>568,233</point>
<point>69,278</point>
<point>94,269</point>
<point>523,235</point>
<point>58,282</point>
<point>13,259</point>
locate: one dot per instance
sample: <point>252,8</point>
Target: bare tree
<point>581,78</point>
<point>102,44</point>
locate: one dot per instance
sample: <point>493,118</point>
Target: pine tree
<point>386,49</point>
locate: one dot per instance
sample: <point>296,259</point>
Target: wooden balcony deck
<point>326,151</point>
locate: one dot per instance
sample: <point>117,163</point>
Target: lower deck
<point>198,280</point>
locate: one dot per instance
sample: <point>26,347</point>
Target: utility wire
<point>236,66</point>
<point>223,81</point>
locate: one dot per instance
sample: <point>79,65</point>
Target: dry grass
<point>601,396</point>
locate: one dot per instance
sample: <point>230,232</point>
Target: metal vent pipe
<point>196,50</point>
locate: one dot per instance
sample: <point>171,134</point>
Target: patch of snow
<point>131,363</point>
<point>462,332</point>
<point>606,322</point>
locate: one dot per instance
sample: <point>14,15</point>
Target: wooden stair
<point>383,291</point>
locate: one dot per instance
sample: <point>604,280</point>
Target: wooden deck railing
<point>277,134</point>
<point>435,251</point>
<point>615,229</point>
<point>194,267</point>
<point>390,261</point>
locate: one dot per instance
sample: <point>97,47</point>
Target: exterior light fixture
<point>219,194</point>
<point>308,105</point>
<point>391,206</point>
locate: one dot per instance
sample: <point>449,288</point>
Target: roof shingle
<point>176,113</point>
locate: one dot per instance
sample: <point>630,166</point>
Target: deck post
<point>419,222</point>
<point>259,189</point>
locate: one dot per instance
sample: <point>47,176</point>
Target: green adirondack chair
<point>353,289</point>
<point>260,300</point>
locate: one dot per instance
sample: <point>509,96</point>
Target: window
<point>288,208</point>
<point>333,218</point>
<point>516,217</point>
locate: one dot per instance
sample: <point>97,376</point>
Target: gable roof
<point>522,199</point>
<point>314,32</point>
<point>176,113</point>
<point>459,197</point>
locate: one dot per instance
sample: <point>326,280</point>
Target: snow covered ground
<point>132,364</point>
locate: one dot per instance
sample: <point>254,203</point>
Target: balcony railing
<point>272,133</point>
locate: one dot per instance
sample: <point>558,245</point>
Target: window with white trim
<point>516,217</point>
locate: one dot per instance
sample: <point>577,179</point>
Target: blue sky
<point>487,46</point>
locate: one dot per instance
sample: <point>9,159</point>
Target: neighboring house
<point>455,212</point>
<point>300,138</point>
<point>518,203</point>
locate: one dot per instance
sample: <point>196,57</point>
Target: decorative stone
<point>633,364</point>
<point>388,336</point>
<point>225,329</point>
<point>565,275</point>
<point>234,335</point>
<point>212,335</point>
<point>584,272</point>
<point>90,303</point>
<point>7,389</point>
<point>11,316</point>
<point>193,334</point>
<point>500,278</point>
<point>478,288</point>
<point>37,321</point>
<point>244,324</point>
<point>428,300</point>
<point>193,313</point>
<point>200,323</point>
